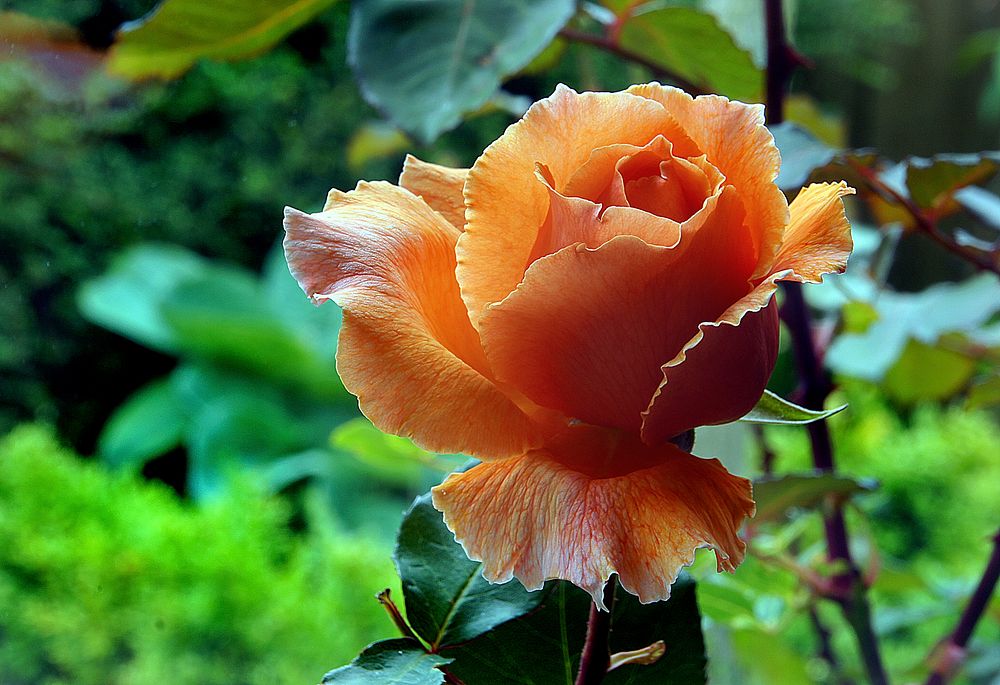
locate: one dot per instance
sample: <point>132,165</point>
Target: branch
<point>924,222</point>
<point>847,587</point>
<point>612,46</point>
<point>954,646</point>
<point>596,657</point>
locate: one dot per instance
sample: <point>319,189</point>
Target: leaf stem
<point>847,587</point>
<point>596,655</point>
<point>945,668</point>
<point>924,221</point>
<point>610,45</point>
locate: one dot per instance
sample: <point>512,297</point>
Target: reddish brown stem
<point>847,587</point>
<point>925,222</point>
<point>596,650</point>
<point>974,610</point>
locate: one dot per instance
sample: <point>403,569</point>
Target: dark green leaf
<point>774,409</point>
<point>801,154</point>
<point>543,647</point>
<point>693,45</point>
<point>391,662</point>
<point>447,599</point>
<point>173,37</point>
<point>151,422</point>
<point>775,496</point>
<point>127,299</point>
<point>933,182</point>
<point>426,62</point>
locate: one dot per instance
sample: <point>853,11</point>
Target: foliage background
<point>204,163</point>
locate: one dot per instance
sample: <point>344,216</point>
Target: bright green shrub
<point>106,580</point>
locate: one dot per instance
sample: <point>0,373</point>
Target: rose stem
<point>955,644</point>
<point>596,652</point>
<point>847,587</point>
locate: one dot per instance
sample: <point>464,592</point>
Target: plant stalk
<point>945,669</point>
<point>596,655</point>
<point>848,588</point>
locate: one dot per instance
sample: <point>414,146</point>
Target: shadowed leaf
<point>447,599</point>
<point>424,63</point>
<point>775,496</point>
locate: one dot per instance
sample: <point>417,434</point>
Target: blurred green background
<point>188,494</point>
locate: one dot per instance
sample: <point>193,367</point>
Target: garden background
<point>189,495</point>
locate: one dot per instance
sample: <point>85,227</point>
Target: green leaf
<point>801,154</point>
<point>985,393</point>
<point>374,140</point>
<point>693,45</point>
<point>776,410</point>
<point>391,662</point>
<point>924,372</point>
<point>174,36</point>
<point>932,182</point>
<point>447,599</point>
<point>424,63</point>
<point>149,423</point>
<point>775,496</point>
<point>391,457</point>
<point>222,316</point>
<point>543,647</point>
<point>127,299</point>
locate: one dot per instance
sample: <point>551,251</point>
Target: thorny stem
<point>925,222</point>
<point>954,647</point>
<point>848,588</point>
<point>596,655</point>
<point>610,45</point>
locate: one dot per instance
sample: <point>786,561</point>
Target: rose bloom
<point>600,281</point>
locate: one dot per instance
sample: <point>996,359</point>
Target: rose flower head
<point>599,282</point>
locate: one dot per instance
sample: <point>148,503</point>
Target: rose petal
<point>733,137</point>
<point>439,186</point>
<point>720,373</point>
<point>587,331</point>
<point>818,238</point>
<point>406,349</point>
<point>535,517</point>
<point>573,220</point>
<point>505,204</point>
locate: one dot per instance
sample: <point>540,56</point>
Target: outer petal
<point>720,373</point>
<point>439,186</point>
<point>407,349</point>
<point>505,203</point>
<point>588,330</point>
<point>733,137</point>
<point>534,517</point>
<point>818,238</point>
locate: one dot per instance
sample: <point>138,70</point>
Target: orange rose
<point>599,282</point>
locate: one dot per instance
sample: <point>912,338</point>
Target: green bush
<point>109,581</point>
